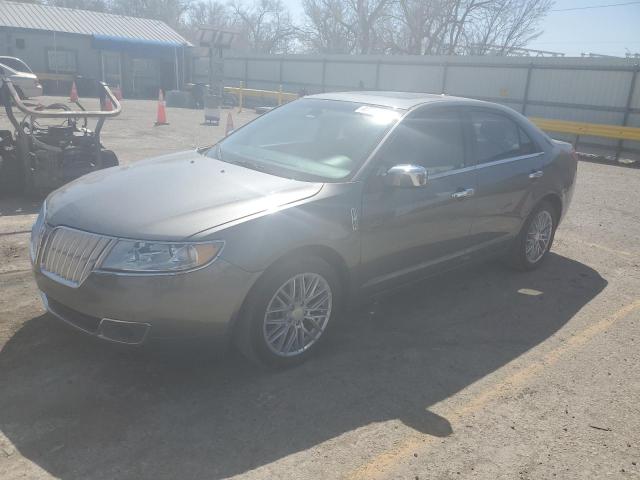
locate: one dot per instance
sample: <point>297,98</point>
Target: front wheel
<point>289,312</point>
<point>532,245</point>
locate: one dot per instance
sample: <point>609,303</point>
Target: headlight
<point>36,233</point>
<point>157,257</point>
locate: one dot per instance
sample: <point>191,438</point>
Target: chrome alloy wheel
<point>297,314</point>
<point>538,236</point>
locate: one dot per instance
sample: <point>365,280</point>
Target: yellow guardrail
<point>588,129</point>
<point>55,76</point>
<point>242,92</point>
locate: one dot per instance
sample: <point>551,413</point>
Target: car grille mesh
<point>69,255</point>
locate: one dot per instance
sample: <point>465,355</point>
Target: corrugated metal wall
<point>592,90</point>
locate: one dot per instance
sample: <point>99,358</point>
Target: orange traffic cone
<point>118,93</point>
<point>73,96</point>
<point>162,113</point>
<point>229,128</point>
<point>107,105</point>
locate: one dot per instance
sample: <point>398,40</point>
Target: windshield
<point>15,64</point>
<point>309,139</point>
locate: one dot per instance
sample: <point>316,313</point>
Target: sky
<point>607,31</point>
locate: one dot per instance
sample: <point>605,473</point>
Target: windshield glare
<point>309,139</point>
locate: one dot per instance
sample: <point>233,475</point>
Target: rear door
<point>509,164</point>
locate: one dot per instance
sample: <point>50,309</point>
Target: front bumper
<point>132,309</point>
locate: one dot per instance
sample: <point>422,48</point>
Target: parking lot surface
<point>482,373</point>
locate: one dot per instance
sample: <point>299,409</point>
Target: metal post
<point>324,74</point>
<point>526,89</point>
<point>210,70</point>
<point>246,72</point>
<point>281,66</point>
<point>280,95</point>
<point>625,119</point>
<point>241,97</point>
<point>445,68</point>
<point>175,52</point>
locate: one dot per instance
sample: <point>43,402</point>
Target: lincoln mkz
<point>264,238</point>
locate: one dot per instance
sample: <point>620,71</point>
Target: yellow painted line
<point>381,463</point>
<point>590,129</point>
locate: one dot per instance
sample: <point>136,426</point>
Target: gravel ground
<point>483,373</point>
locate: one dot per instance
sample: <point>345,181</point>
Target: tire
<point>525,253</point>
<point>295,332</point>
<point>109,159</point>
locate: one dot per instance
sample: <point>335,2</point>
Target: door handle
<point>463,193</point>
<point>536,174</point>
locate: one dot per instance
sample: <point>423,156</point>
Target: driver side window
<point>434,140</point>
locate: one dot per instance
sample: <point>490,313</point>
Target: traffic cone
<point>73,96</point>
<point>162,113</point>
<point>107,105</point>
<point>118,93</point>
<point>229,128</point>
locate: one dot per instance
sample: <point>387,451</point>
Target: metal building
<point>62,44</point>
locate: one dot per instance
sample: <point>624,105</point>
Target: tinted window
<point>433,140</point>
<point>498,137</point>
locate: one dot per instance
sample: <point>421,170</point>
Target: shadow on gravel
<point>11,205</point>
<point>81,409</point>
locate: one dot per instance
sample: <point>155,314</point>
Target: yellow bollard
<point>241,96</point>
<point>280,96</point>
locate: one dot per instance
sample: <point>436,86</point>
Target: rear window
<point>497,137</point>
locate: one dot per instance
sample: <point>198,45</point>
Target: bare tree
<point>95,5</point>
<point>327,28</point>
<point>455,27</point>
<point>506,25</point>
<point>171,12</point>
<point>266,24</point>
<point>212,12</point>
<point>345,26</point>
<point>367,16</point>
<point>415,26</point>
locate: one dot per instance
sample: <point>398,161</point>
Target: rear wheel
<point>533,243</point>
<point>289,312</point>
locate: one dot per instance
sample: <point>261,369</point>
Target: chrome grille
<point>69,255</point>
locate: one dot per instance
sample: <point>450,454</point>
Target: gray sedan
<point>264,238</point>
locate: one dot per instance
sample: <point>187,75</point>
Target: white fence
<point>594,90</point>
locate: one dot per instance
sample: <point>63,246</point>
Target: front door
<point>408,231</point>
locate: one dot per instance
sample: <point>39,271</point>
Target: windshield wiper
<point>251,164</point>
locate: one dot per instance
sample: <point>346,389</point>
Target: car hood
<point>23,75</point>
<point>170,197</point>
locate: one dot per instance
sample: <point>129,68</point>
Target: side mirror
<point>406,176</point>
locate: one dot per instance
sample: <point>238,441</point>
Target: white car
<point>25,81</point>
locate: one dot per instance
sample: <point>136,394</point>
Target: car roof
<point>401,100</point>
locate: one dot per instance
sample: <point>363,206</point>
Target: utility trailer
<point>38,157</point>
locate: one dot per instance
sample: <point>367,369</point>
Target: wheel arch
<point>555,200</point>
<point>328,254</point>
